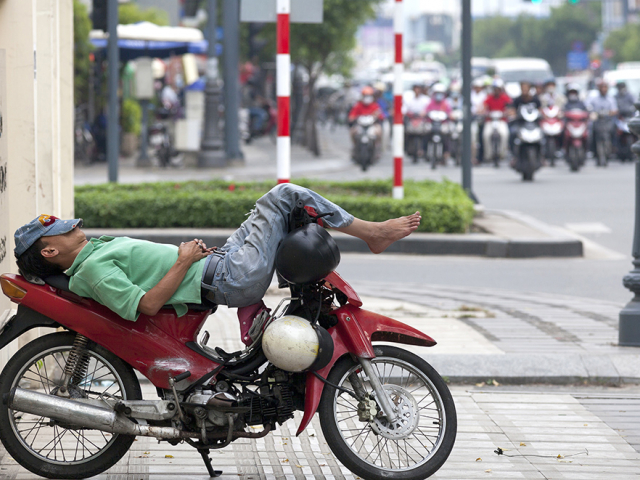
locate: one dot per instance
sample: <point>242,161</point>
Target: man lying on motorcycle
<point>134,276</point>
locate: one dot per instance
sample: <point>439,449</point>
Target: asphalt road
<point>597,203</point>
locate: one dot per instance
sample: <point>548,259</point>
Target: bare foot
<point>384,234</point>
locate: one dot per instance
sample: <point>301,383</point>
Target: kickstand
<point>207,461</point>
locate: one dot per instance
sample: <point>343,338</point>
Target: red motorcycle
<point>552,126</point>
<point>73,404</point>
<point>576,138</point>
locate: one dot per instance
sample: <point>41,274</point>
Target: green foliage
<point>82,49</point>
<point>526,36</point>
<point>624,43</point>
<point>132,13</point>
<point>131,116</point>
<point>444,206</point>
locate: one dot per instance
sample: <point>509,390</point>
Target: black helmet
<point>307,254</point>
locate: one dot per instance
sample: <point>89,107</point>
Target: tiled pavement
<point>585,432</point>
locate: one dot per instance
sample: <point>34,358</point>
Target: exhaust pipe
<point>86,416</point>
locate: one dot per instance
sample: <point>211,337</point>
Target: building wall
<point>36,105</point>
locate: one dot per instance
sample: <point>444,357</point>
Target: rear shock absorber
<point>77,364</point>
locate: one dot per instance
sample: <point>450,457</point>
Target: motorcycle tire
<point>495,146</point>
<point>439,439</point>
<point>573,156</point>
<point>415,153</point>
<point>529,164</point>
<point>26,366</point>
<point>601,153</point>
<point>551,151</point>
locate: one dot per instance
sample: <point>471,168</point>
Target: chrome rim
<point>48,440</point>
<point>413,438</point>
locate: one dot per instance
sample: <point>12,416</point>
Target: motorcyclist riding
<point>551,95</point>
<point>604,110</point>
<point>366,106</point>
<point>497,101</point>
<point>527,97</point>
<point>573,98</point>
<point>624,100</point>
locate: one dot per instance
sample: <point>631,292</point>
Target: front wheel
<point>48,447</point>
<point>414,446</point>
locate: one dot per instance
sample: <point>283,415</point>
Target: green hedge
<point>444,206</point>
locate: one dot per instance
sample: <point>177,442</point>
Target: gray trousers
<point>244,272</point>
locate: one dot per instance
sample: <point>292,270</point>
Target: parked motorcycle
<point>496,137</point>
<point>437,131</point>
<point>625,138</point>
<point>160,143</point>
<point>602,130</point>
<point>415,131</point>
<point>528,142</point>
<point>455,144</point>
<point>576,138</point>
<point>73,404</point>
<point>365,138</point>
<point>552,127</point>
<point>266,127</point>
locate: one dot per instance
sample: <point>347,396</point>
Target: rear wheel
<point>414,446</point>
<point>551,150</point>
<point>47,447</point>
<point>417,140</point>
<point>573,156</point>
<point>601,153</point>
<point>529,164</point>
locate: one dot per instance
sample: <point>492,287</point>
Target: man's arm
<point>158,296</point>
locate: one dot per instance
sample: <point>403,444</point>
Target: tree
<point>324,48</point>
<point>132,13</point>
<point>81,52</point>
<point>526,36</point>
<point>624,43</point>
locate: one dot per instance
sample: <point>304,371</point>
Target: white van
<point>630,76</point>
<point>515,70</point>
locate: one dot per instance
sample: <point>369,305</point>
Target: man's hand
<point>191,252</point>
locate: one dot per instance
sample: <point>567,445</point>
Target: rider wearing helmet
<point>551,96</point>
<point>624,100</point>
<point>439,99</point>
<point>366,106</point>
<point>573,98</point>
<point>497,100</point>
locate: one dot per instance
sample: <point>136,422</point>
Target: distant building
<point>438,28</point>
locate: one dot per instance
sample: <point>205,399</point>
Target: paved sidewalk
<point>486,337</point>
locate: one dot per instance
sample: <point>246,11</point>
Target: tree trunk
<point>311,123</point>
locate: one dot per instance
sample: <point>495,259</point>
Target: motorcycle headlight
<point>292,344</point>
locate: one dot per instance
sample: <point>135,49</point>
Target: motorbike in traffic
<point>552,128</point>
<point>624,138</point>
<point>495,137</point>
<point>415,135</point>
<point>576,138</point>
<point>528,142</point>
<point>73,403</point>
<point>366,139</point>
<point>455,142</point>
<point>437,132</point>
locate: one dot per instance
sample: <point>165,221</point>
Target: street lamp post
<point>629,323</point>
<point>211,154</point>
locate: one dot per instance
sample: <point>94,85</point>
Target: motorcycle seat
<point>61,282</point>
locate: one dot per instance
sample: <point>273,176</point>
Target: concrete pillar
<point>36,107</point>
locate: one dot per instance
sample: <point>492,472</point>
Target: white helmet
<point>439,88</point>
<point>497,83</point>
<point>292,344</point>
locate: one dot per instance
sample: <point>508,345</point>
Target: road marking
<point>588,227</point>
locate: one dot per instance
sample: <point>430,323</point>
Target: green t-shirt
<point>117,272</point>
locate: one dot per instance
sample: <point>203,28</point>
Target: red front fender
<point>355,331</point>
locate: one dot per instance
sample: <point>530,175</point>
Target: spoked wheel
<point>416,444</point>
<point>47,447</point>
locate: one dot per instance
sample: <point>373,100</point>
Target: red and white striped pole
<point>398,125</point>
<point>283,90</point>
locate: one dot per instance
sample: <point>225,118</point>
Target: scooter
<point>415,131</point>
<point>365,139</point>
<point>72,404</point>
<point>437,130</point>
<point>625,138</point>
<point>576,138</point>
<point>528,142</point>
<point>496,138</point>
<point>456,135</point>
<point>552,127</point>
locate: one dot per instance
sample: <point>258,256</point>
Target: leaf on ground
<point>299,466</point>
<point>522,444</point>
<point>478,459</point>
<point>481,384</point>
<point>560,456</point>
<point>168,456</point>
<point>146,453</point>
<point>286,460</point>
<point>488,470</point>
